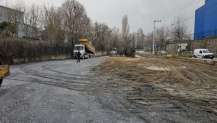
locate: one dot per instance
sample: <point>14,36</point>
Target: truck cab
<point>79,48</point>
<point>203,53</point>
<point>85,47</point>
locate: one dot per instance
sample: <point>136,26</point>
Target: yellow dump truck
<point>85,47</point>
<point>4,72</point>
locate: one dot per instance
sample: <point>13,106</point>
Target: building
<point>206,20</point>
<point>15,16</point>
<point>11,15</point>
<point>177,47</point>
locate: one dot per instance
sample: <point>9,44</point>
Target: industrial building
<point>206,20</point>
<point>15,16</point>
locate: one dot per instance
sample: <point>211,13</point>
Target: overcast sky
<point>141,13</point>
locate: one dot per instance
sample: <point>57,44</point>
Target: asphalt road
<point>60,92</point>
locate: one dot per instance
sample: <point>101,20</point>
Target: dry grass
<point>184,78</point>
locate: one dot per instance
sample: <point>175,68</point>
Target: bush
<point>7,27</point>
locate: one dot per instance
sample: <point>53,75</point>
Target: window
<point>205,51</point>
<point>79,47</point>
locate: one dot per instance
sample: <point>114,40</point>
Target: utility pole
<point>154,22</point>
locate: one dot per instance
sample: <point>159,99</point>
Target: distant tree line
<point>56,29</point>
<point>53,31</point>
<point>53,27</point>
<point>174,33</point>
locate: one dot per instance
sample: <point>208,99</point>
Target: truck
<point>203,53</point>
<point>85,47</point>
<point>4,72</point>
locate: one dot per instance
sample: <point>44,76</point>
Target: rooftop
<point>11,9</point>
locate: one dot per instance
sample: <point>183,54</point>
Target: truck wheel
<point>1,80</point>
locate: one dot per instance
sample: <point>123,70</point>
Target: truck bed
<point>88,45</point>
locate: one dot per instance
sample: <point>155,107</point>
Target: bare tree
<point>102,37</point>
<point>53,28</point>
<point>115,39</point>
<point>162,38</point>
<point>66,23</point>
<point>148,42</point>
<point>179,31</point>
<point>74,18</point>
<point>33,21</point>
<point>125,32</point>
<point>33,16</point>
<point>127,40</point>
<point>125,27</point>
<point>140,37</point>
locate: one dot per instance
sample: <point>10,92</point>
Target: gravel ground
<point>59,92</point>
<point>110,90</point>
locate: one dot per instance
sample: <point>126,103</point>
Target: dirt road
<point>110,90</point>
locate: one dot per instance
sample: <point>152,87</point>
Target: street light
<point>155,21</point>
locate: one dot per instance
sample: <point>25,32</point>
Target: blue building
<point>206,20</point>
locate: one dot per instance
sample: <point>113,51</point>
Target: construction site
<point>111,89</point>
<point>79,61</point>
<point>183,89</point>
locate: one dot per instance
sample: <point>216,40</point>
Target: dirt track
<point>170,90</point>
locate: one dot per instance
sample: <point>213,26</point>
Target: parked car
<point>203,53</point>
<point>114,52</point>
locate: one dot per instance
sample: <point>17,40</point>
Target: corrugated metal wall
<point>206,20</point>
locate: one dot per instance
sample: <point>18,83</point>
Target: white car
<point>203,53</point>
<point>114,52</point>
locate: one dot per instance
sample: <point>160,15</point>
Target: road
<point>60,92</point>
